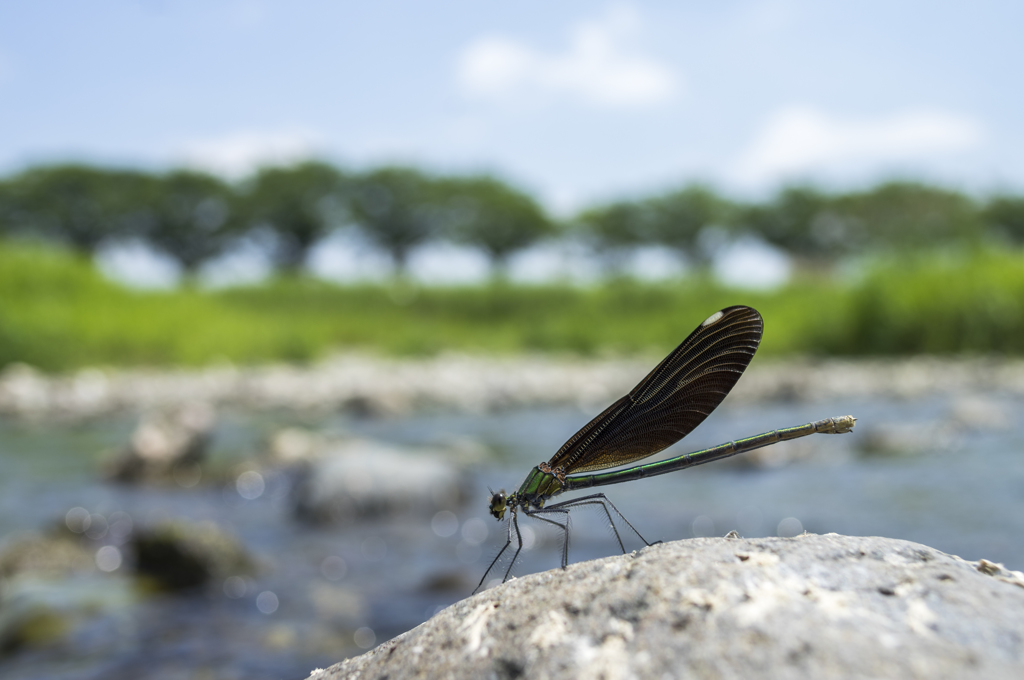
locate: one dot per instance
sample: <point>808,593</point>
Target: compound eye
<point>498,504</point>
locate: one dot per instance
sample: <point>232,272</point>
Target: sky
<point>576,102</point>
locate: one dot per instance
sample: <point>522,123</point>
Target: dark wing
<point>672,400</point>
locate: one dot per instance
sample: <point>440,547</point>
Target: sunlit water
<point>324,593</point>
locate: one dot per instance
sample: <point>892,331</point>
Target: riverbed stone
<point>55,554</point>
<point>167,445</point>
<point>906,439</point>
<point>50,583</point>
<point>812,606</point>
<point>180,555</point>
<point>361,478</point>
<point>380,386</point>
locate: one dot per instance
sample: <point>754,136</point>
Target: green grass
<point>58,313</point>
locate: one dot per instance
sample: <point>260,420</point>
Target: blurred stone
<point>904,439</point>
<point>50,583</point>
<point>295,446</point>
<point>981,413</point>
<point>29,624</point>
<point>46,612</point>
<point>166,445</point>
<point>371,385</point>
<point>184,555</point>
<point>360,478</point>
<point>446,582</point>
<point>58,554</point>
<point>337,605</point>
<point>24,390</point>
<point>806,607</point>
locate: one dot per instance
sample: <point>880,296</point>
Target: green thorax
<point>539,486</point>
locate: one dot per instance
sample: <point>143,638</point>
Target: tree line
<point>194,217</point>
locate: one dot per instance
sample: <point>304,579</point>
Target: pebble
<point>379,386</point>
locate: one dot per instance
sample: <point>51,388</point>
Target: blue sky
<point>575,101</point>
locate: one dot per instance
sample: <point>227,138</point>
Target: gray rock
<point>50,583</point>
<point>980,413</point>
<point>806,607</point>
<point>57,554</point>
<point>167,445</point>
<point>905,439</point>
<point>359,478</point>
<point>179,555</point>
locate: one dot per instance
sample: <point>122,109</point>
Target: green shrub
<point>58,313</point>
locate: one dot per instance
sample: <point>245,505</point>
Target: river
<point>915,469</point>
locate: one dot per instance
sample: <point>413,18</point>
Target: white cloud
<point>598,66</point>
<point>798,140</point>
<point>239,153</point>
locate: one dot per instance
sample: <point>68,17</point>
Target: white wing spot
<point>712,319</point>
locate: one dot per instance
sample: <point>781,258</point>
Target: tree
<point>398,209</point>
<point>82,206</point>
<point>624,224</point>
<point>802,221</point>
<point>1004,215</point>
<point>615,229</point>
<point>300,205</point>
<point>907,215</point>
<point>680,220</point>
<point>187,215</point>
<point>485,212</point>
<point>6,208</point>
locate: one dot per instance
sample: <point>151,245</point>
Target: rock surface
<point>807,607</point>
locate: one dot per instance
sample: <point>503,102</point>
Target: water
<point>324,593</point>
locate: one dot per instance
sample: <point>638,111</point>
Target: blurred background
<point>284,289</point>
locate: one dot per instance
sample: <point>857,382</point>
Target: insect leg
<point>606,514</point>
<point>519,537</point>
<point>564,527</point>
<point>497,557</point>
<point>602,500</point>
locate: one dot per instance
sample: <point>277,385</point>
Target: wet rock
<point>167,445</point>
<point>29,624</point>
<point>360,478</point>
<point>58,554</point>
<point>807,607</point>
<point>52,582</point>
<point>181,555</point>
<point>904,439</point>
<point>39,612</point>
